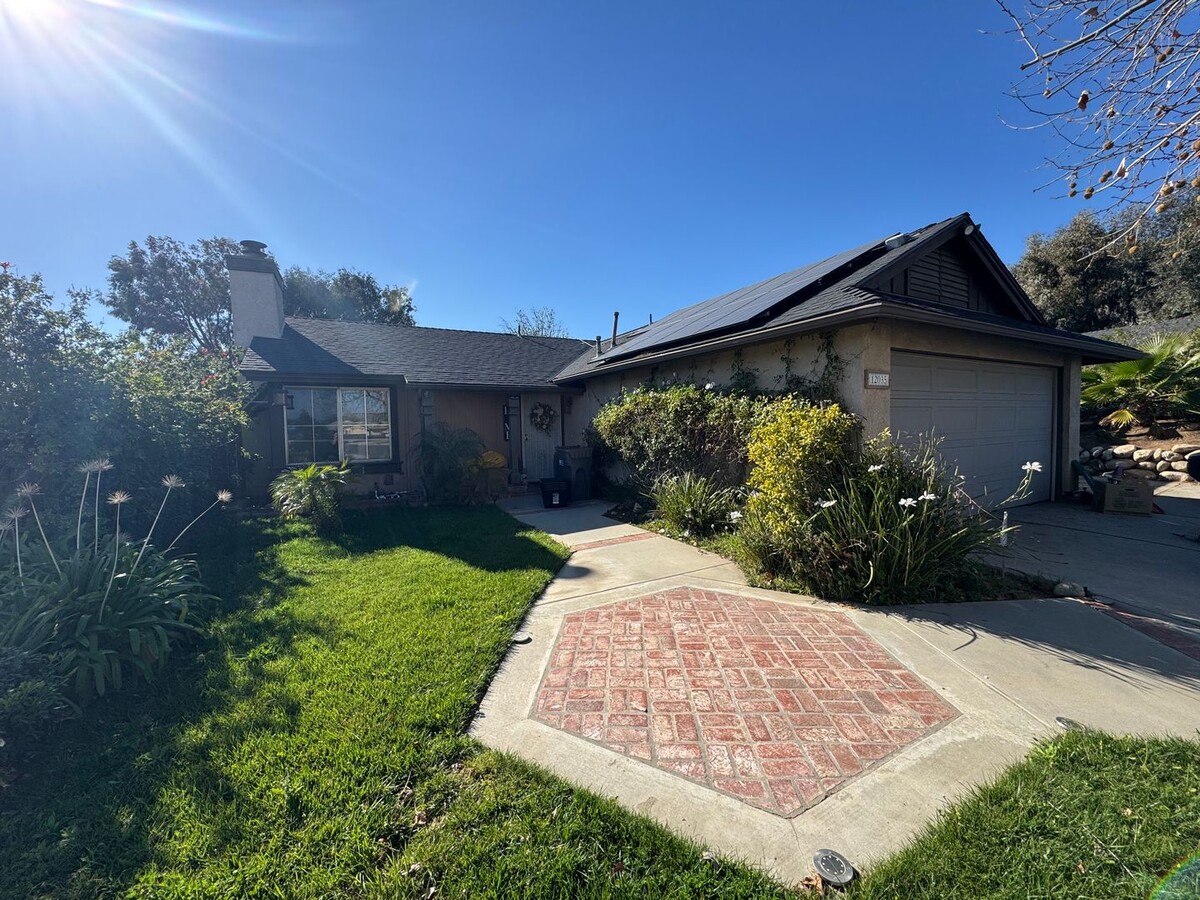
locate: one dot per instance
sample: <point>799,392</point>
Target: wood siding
<point>481,411</point>
<point>949,276</point>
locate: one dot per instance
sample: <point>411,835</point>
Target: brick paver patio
<point>773,703</point>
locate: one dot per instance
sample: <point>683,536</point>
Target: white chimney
<point>256,294</point>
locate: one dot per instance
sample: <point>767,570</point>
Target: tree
<point>537,321</point>
<point>69,392</point>
<point>166,287</point>
<point>1116,82</point>
<point>173,288</point>
<point>1086,276</point>
<point>345,295</point>
<point>52,384</point>
<point>1075,288</point>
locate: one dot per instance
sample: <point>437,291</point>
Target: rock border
<point>1151,464</point>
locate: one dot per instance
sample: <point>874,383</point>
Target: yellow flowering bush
<point>797,452</point>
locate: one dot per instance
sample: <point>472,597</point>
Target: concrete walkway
<point>1146,564</point>
<point>1004,670</point>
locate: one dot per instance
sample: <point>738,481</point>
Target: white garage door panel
<point>991,417</point>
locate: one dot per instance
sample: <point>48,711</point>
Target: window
<point>326,425</point>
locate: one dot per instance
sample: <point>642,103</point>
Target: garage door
<point>992,418</point>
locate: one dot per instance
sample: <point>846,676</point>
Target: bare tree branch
<point>1118,84</point>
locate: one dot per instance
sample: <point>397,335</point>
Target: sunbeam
<point>181,17</point>
<point>74,62</point>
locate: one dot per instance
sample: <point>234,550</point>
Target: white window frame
<point>337,389</point>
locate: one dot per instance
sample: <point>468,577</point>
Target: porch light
<point>282,398</point>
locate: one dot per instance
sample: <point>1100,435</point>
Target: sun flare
<point>106,69</point>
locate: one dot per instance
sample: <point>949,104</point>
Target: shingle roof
<point>434,356</point>
<point>838,285</point>
<point>1143,330</point>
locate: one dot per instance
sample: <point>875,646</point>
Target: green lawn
<point>1086,815</point>
<point>315,747</point>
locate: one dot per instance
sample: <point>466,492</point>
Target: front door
<point>539,443</point>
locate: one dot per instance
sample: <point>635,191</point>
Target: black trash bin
<point>574,465</point>
<point>555,493</point>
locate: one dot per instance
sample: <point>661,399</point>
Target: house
<point>329,390</point>
<point>927,330</point>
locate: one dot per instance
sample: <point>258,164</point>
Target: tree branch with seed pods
<point>1117,82</point>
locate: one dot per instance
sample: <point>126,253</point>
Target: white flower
<point>908,501</point>
<point>927,496</point>
<point>734,516</point>
<point>825,504</point>
<point>1032,467</point>
<point>710,386</point>
<point>875,468</point>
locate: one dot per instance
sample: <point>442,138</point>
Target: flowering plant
<point>542,416</point>
<point>102,605</point>
<point>895,525</point>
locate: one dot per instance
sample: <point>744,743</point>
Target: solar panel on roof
<point>734,308</point>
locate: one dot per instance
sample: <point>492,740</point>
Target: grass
<point>1086,815</point>
<point>315,745</point>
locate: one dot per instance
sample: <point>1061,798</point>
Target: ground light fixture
<point>833,867</point>
<point>522,637</point>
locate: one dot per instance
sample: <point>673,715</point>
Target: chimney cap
<point>254,248</point>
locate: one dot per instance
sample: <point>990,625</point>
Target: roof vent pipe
<point>898,240</point>
<point>616,316</point>
<point>598,345</point>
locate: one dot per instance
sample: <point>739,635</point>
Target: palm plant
<point>313,492</point>
<point>1163,385</point>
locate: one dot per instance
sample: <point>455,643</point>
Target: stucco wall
<point>862,348</point>
<point>719,369</point>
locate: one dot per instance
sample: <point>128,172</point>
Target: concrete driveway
<point>642,682</point>
<point>1145,564</point>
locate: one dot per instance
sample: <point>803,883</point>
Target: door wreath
<point>542,416</point>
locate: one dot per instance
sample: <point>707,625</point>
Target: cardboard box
<point>1134,496</point>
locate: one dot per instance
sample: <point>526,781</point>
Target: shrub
<point>71,390</point>
<point>895,526</point>
<point>101,606</point>
<point>683,428</point>
<point>314,493</point>
<point>798,451</point>
<point>693,504</point>
<point>451,459</point>
<point>1165,384</point>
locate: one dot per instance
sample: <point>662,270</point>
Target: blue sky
<point>631,156</point>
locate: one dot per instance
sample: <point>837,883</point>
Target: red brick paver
<point>773,703</point>
<point>609,542</point>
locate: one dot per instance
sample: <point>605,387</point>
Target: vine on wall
<point>826,371</point>
<point>743,379</point>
